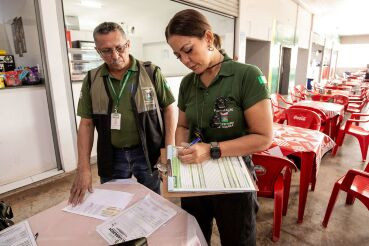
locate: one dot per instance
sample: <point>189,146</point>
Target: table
<point>310,146</point>
<point>332,110</point>
<point>56,227</point>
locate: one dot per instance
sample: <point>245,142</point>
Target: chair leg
<point>363,147</point>
<point>286,193</point>
<point>350,199</point>
<point>313,178</point>
<point>332,201</point>
<point>278,204</point>
<point>339,141</point>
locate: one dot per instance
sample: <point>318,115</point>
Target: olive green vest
<point>146,110</point>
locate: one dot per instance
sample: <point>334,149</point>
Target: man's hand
<point>82,182</point>
<point>196,153</point>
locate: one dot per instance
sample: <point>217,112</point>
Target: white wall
<point>304,22</point>
<point>260,14</point>
<point>26,146</point>
<point>352,57</point>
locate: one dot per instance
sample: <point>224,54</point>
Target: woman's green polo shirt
<point>128,134</point>
<point>242,85</point>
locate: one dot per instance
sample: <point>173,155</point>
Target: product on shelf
<point>2,80</point>
<point>12,78</point>
<point>6,63</point>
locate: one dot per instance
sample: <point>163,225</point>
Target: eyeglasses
<point>109,51</point>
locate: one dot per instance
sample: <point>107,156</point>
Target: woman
<point>226,104</point>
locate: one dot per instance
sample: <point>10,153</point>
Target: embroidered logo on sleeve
<point>262,80</point>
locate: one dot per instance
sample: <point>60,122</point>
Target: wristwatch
<point>215,150</point>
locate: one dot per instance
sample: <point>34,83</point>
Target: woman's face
<point>192,51</point>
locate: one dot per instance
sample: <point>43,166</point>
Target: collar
<point>132,68</point>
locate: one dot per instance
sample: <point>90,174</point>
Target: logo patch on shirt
<point>148,95</point>
<point>262,80</point>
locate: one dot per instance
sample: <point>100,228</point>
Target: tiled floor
<point>349,225</point>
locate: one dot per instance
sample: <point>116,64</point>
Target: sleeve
<point>254,87</point>
<point>84,108</point>
<point>165,96</point>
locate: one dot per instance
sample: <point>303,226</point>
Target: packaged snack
<point>12,79</point>
<point>2,80</point>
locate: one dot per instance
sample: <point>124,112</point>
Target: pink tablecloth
<point>56,227</point>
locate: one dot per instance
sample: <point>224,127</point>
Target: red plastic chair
<point>357,131</point>
<point>341,99</point>
<point>274,181</point>
<point>356,184</point>
<point>279,105</point>
<point>304,118</point>
<point>324,118</point>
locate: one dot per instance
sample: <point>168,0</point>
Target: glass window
<point>144,22</point>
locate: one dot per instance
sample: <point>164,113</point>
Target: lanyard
<point>122,85</point>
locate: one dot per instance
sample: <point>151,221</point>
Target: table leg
<point>307,162</point>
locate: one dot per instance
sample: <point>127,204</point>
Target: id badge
<point>115,121</point>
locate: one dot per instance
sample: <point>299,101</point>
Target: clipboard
<point>178,194</point>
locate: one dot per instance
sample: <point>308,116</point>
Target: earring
<point>210,48</point>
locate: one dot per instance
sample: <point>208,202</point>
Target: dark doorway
<point>284,75</point>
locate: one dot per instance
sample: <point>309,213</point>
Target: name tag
<point>115,121</point>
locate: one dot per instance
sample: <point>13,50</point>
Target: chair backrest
<point>316,97</point>
<point>341,99</point>
<point>275,103</point>
<point>267,169</point>
<point>322,115</point>
<point>304,118</point>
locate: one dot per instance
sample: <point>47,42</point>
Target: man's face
<point>113,49</point>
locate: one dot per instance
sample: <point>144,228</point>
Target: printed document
<point>139,220</point>
<point>17,235</point>
<point>226,174</point>
<point>101,204</point>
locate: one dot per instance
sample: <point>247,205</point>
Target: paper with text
<point>17,235</point>
<point>101,204</point>
<point>227,174</point>
<point>139,220</point>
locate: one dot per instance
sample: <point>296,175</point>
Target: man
<point>120,99</point>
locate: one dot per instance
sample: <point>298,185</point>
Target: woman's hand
<point>194,154</point>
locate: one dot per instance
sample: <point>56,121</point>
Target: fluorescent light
<point>91,4</point>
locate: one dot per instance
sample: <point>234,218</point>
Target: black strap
<point>151,73</point>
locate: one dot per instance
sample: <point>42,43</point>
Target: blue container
<point>309,86</point>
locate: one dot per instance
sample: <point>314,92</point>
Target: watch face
<point>215,152</point>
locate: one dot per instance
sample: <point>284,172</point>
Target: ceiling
<point>342,17</point>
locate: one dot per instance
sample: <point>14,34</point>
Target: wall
<point>260,14</point>
<point>352,57</point>
<point>26,146</point>
<point>258,53</point>
<point>303,28</point>
<point>24,8</point>
<point>302,65</point>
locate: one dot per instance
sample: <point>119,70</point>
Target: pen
<point>196,140</point>
<point>36,236</point>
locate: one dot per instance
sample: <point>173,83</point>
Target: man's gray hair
<point>107,27</point>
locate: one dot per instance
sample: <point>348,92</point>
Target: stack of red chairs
<point>356,184</point>
<point>274,181</point>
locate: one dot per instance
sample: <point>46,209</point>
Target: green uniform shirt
<point>241,85</point>
<point>128,134</point>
